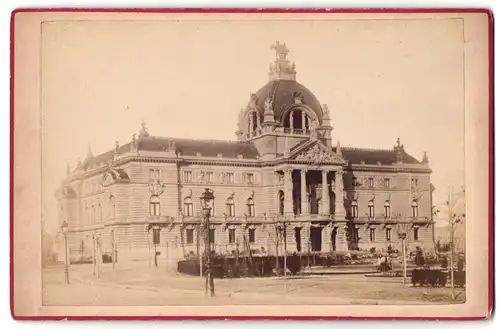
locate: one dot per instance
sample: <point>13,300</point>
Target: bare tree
<point>403,228</point>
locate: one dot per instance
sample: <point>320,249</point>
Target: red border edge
<point>488,12</point>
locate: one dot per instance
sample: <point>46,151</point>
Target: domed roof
<point>283,93</point>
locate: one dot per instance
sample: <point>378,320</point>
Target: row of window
<point>387,209</point>
<point>251,235</point>
<point>387,182</point>
<point>230,207</point>
<point>228,177</point>
<point>388,234</point>
<point>94,213</point>
<point>371,182</point>
<point>93,186</point>
<point>211,235</point>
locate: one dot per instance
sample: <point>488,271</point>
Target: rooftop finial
<point>425,159</point>
<point>144,130</point>
<point>89,153</point>
<point>338,150</point>
<point>399,149</point>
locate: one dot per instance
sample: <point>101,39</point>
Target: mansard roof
<point>186,147</point>
<point>247,150</point>
<point>207,148</point>
<point>367,156</point>
<point>374,156</point>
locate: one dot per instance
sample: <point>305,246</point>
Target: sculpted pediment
<point>317,153</point>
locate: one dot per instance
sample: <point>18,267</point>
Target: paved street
<point>139,284</point>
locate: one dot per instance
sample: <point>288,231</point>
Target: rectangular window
<point>356,234</point>
<point>188,209</point>
<point>230,177</point>
<point>415,233</point>
<point>154,174</point>
<point>354,211</point>
<point>371,210</point>
<point>372,234</point>
<point>189,236</point>
<point>232,235</point>
<point>386,182</point>
<point>388,234</point>
<point>154,209</point>
<point>251,235</point>
<point>414,182</point>
<point>211,235</point>
<point>156,236</point>
<point>210,177</point>
<point>230,210</point>
<point>370,182</point>
<point>188,176</point>
<point>250,178</point>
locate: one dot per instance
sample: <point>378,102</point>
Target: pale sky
<point>381,80</point>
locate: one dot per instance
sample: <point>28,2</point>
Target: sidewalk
<point>303,289</point>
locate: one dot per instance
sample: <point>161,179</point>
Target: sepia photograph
<point>259,162</point>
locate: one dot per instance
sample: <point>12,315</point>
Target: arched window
<point>253,122</point>
<point>154,206</point>
<point>112,207</point>
<point>281,202</point>
<point>230,207</point>
<point>387,209</point>
<point>250,207</point>
<point>354,209</point>
<point>99,213</point>
<point>297,121</point>
<point>371,209</point>
<point>188,207</point>
<point>87,214</point>
<point>414,208</point>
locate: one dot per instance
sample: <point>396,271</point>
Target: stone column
<point>291,121</point>
<point>288,204</point>
<point>304,204</point>
<point>325,198</point>
<point>340,212</point>
<point>303,122</point>
<point>250,123</point>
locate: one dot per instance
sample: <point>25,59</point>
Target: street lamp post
<point>454,219</point>
<point>113,249</point>
<point>402,237</point>
<point>206,199</point>
<point>156,241</point>
<point>98,255</point>
<point>64,230</point>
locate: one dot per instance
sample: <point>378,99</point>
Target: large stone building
<point>282,171</point>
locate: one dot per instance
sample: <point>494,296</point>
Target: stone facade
<point>282,176</point>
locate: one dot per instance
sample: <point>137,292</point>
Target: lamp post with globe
<point>206,199</point>
<point>64,231</point>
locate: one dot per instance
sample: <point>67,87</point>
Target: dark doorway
<point>298,239</point>
<point>316,238</point>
